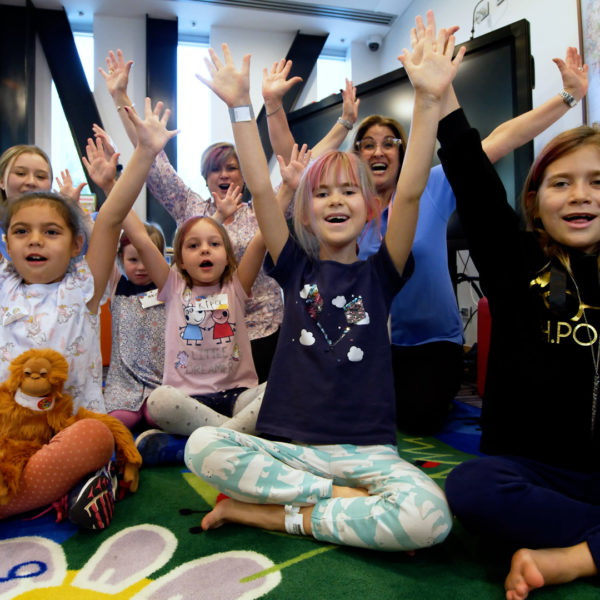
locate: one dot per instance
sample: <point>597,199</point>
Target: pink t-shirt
<point>200,355</point>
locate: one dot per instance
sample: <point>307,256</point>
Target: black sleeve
<point>490,224</point>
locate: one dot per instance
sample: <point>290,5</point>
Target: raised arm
<point>101,169</point>
<point>522,129</point>
<point>117,79</point>
<point>337,134</point>
<point>275,85</point>
<point>233,87</point>
<point>152,135</point>
<point>430,77</point>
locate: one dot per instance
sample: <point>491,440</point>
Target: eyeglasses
<point>368,144</point>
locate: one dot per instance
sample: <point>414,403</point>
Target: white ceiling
<point>197,16</point>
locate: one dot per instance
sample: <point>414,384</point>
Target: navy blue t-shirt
<point>331,379</point>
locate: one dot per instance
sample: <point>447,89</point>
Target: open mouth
<point>378,167</point>
<point>336,218</point>
<point>205,264</point>
<point>223,186</point>
<point>36,258</point>
<point>579,218</point>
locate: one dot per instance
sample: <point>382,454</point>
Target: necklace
<point>595,359</point>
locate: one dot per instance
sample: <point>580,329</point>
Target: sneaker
<point>160,448</point>
<point>91,503</point>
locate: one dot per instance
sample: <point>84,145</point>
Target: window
<point>332,70</point>
<point>63,152</point>
<point>193,114</point>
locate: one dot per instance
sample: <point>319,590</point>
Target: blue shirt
<point>426,310</point>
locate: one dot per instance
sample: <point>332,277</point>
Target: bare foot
<point>532,569</point>
<point>217,516</point>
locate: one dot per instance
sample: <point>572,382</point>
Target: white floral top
<point>54,316</point>
<point>264,310</point>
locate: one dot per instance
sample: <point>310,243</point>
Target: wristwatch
<point>568,98</point>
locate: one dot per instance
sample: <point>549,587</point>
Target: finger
<point>166,115</point>
<point>431,21</point>
<point>114,159</point>
<point>227,54</point>
<point>459,56</point>
<point>413,37</point>
<point>286,68</point>
<point>245,65</point>
<point>215,62</point>
<point>79,188</point>
<point>420,27</point>
<point>157,108</point>
<point>86,164</point>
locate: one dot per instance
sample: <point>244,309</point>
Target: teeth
<point>378,167</point>
<point>336,219</point>
<point>35,258</point>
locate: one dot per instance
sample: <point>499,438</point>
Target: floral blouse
<point>264,310</point>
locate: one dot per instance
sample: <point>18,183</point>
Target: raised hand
<point>232,85</point>
<point>102,170</point>
<point>417,34</point>
<point>107,143</point>
<point>430,66</point>
<point>350,103</point>
<point>152,133</point>
<point>292,172</point>
<point>66,187</point>
<point>229,204</point>
<point>117,73</point>
<point>574,74</point>
<point>275,83</point>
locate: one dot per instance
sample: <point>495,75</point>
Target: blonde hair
<point>9,156</point>
<point>345,166</point>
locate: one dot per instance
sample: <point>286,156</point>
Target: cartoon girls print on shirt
<point>354,312</point>
<point>222,328</point>
<point>192,332</point>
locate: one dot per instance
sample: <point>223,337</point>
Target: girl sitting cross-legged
<point>329,466</point>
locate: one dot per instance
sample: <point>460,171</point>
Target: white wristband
<point>293,520</point>
<point>239,114</point>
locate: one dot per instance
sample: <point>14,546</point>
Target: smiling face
<point>381,152</point>
<point>568,200</point>
<point>40,243</point>
<point>203,253</point>
<point>339,214</point>
<point>133,266</point>
<point>223,175</point>
<point>28,172</point>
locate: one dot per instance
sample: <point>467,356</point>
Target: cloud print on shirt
<point>307,338</point>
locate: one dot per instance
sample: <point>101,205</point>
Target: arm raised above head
<point>522,129</point>
<point>152,135</point>
<point>431,73</point>
<point>232,85</point>
<point>116,77</point>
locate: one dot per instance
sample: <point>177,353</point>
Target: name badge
<point>149,299</point>
<point>214,302</point>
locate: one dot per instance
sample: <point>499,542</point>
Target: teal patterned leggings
<point>405,509</point>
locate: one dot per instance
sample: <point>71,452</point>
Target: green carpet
<point>149,552</point>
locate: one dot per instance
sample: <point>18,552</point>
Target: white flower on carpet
<point>35,568</point>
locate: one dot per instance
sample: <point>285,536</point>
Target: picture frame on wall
<point>589,38</point>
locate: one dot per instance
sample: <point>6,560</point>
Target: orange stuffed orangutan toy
<point>33,408</point>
